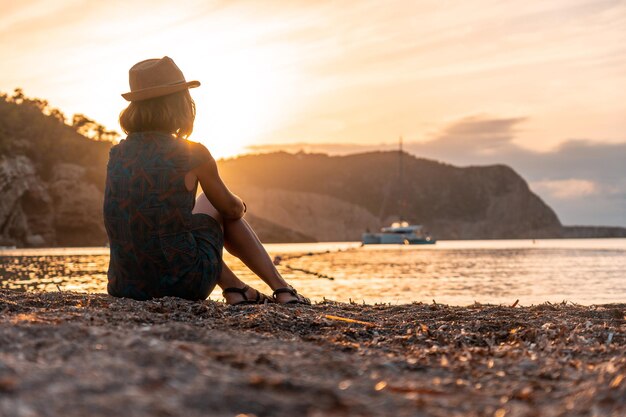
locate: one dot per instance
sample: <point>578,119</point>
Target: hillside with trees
<point>32,128</point>
<point>53,168</point>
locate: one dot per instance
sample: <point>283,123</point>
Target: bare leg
<point>241,241</point>
<point>227,278</point>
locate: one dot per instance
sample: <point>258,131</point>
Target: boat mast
<point>400,181</point>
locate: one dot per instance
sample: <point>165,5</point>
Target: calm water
<point>585,271</point>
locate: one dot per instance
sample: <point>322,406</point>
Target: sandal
<point>290,290</point>
<point>260,297</point>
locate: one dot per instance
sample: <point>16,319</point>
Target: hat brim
<point>162,90</point>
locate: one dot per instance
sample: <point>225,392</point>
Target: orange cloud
<point>566,189</point>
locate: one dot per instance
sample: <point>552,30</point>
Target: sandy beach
<point>75,354</point>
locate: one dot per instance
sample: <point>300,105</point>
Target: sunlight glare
<point>241,99</point>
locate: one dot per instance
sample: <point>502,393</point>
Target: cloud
<point>482,126</point>
<point>479,135</point>
<point>583,180</point>
<point>471,135</point>
<point>566,189</point>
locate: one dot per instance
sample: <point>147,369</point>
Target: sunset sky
<point>525,83</point>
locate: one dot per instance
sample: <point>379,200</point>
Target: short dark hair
<point>173,113</point>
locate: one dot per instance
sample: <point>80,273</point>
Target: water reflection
<point>489,272</point>
<point>50,273</point>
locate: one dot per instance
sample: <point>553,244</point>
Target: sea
<point>526,272</point>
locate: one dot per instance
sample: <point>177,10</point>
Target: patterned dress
<point>158,247</point>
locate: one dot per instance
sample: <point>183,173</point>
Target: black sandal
<point>260,297</point>
<point>290,290</point>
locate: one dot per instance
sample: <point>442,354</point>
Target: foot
<point>289,295</point>
<point>245,295</point>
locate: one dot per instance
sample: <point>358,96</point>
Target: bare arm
<point>228,204</point>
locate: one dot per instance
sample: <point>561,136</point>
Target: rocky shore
<point>76,355</point>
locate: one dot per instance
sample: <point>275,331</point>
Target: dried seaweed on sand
<point>77,354</point>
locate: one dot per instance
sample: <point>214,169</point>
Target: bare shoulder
<point>198,154</point>
<point>196,146</point>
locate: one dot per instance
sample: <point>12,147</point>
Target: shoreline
<point>295,247</point>
<point>77,354</point>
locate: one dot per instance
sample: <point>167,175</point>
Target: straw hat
<point>155,78</point>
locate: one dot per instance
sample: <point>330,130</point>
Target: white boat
<point>399,233</point>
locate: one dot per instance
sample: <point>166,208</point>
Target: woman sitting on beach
<point>163,240</point>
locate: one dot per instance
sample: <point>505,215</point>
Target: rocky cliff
<point>25,217</point>
<point>592,232</point>
<point>337,198</point>
<point>66,210</point>
<point>51,178</point>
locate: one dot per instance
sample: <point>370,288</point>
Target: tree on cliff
<point>31,127</point>
<point>92,129</point>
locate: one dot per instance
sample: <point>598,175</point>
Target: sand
<point>70,354</point>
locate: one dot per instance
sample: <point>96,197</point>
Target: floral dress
<point>158,247</point>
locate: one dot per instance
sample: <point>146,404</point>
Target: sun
<point>242,98</point>
<point>248,80</point>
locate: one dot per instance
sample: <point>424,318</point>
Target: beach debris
<point>413,390</point>
<point>444,361</point>
<point>617,381</point>
<point>8,384</point>
<point>609,338</point>
<point>348,320</point>
<point>547,359</point>
<point>380,385</point>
